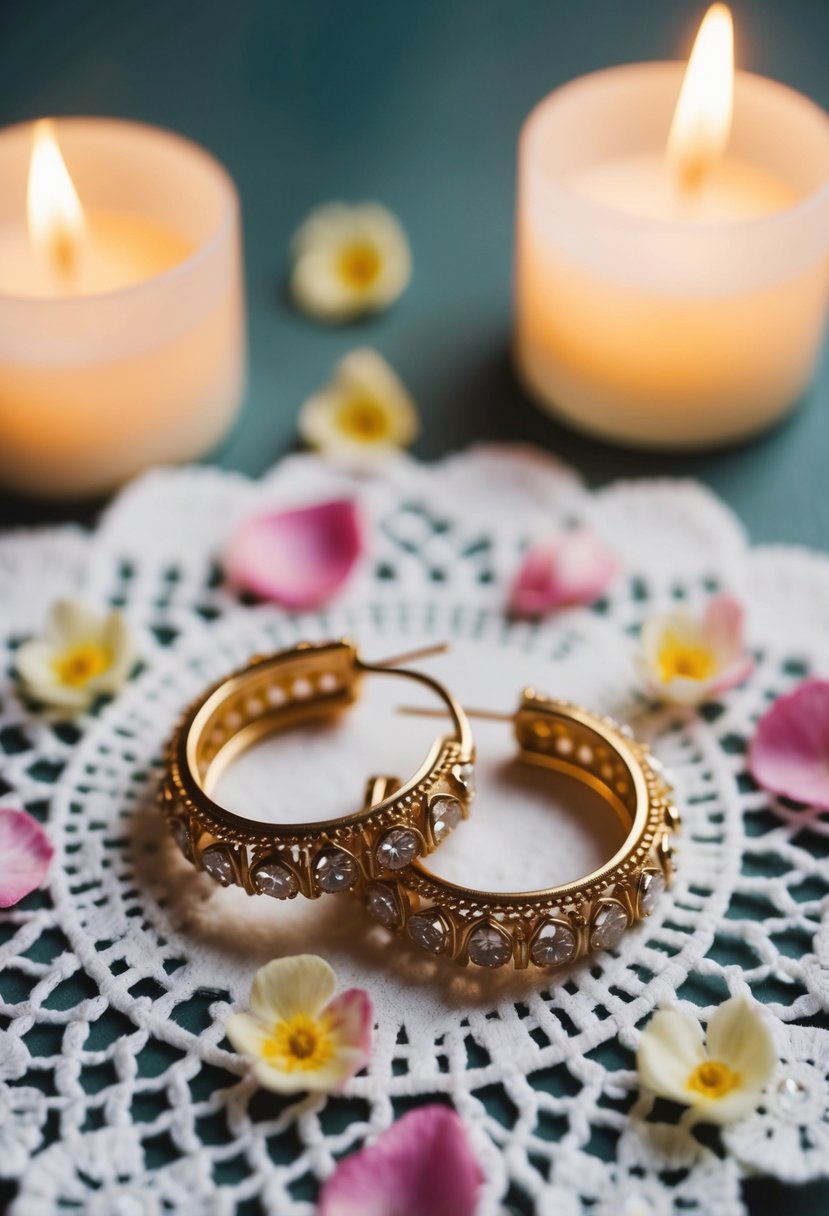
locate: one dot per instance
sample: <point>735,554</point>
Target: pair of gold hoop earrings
<point>376,852</point>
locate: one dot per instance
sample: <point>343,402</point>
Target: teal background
<point>418,105</point>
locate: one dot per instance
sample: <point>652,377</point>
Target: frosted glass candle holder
<point>95,387</point>
<point>659,332</point>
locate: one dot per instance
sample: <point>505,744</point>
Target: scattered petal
<point>349,261</point>
<point>363,415</point>
<point>80,656</point>
<point>722,1079</point>
<point>687,659</point>
<point>297,1037</point>
<point>789,754</point>
<point>25,854</point>
<point>298,558</point>
<point>572,568</point>
<point>421,1165</point>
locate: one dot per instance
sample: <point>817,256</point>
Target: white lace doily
<point>116,980</point>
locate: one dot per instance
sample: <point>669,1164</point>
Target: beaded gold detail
<point>395,825</point>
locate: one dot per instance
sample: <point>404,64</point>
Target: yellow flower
<point>296,1035</point>
<point>721,1078</point>
<point>688,659</point>
<point>80,656</point>
<point>363,414</point>
<point>349,261</point>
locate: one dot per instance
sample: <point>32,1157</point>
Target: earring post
<point>420,711</point>
<point>411,656</point>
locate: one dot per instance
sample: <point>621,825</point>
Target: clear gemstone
<point>791,1095</point>
<point>428,931</point>
<point>488,947</point>
<point>446,815</point>
<point>216,860</point>
<point>397,848</point>
<point>464,774</point>
<point>609,924</point>
<point>382,905</point>
<point>554,944</point>
<point>274,879</point>
<point>179,829</point>
<point>651,888</point>
<point>335,870</point>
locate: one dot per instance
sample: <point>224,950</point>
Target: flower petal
<point>297,558</point>
<point>670,1048</point>
<point>789,754</point>
<point>286,987</point>
<point>421,1166</point>
<point>571,568</point>
<point>722,627</point>
<point>71,622</point>
<point>116,636</point>
<point>735,1105</point>
<point>739,1037</point>
<point>25,854</point>
<point>351,1017</point>
<point>247,1034</point>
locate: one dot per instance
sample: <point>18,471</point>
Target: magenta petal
<point>352,1017</point>
<point>421,1166</point>
<point>297,558</point>
<point>571,568</point>
<point>789,754</point>
<point>723,626</point>
<point>25,853</point>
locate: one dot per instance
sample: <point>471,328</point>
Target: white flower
<point>788,1135</point>
<point>79,656</point>
<point>22,1109</point>
<point>722,1078</point>
<point>686,659</point>
<point>348,261</point>
<point>363,414</point>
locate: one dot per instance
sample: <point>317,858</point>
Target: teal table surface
<point>418,105</point>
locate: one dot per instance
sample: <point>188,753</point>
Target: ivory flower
<point>363,414</point>
<point>721,1078</point>
<point>79,656</point>
<point>563,571</point>
<point>25,855</point>
<point>788,753</point>
<point>421,1166</point>
<point>349,260</point>
<point>687,659</point>
<point>296,1035</point>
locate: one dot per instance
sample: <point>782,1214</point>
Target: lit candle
<point>121,307</point>
<point>672,273</point>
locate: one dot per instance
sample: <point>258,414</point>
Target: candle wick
<point>63,252</point>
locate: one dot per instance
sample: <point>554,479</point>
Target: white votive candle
<point>652,311</point>
<point>122,338</point>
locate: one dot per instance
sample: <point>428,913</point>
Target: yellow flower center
<point>680,658</point>
<point>364,420</point>
<point>300,1044</point>
<point>713,1079</point>
<point>80,664</point>
<point>359,265</point>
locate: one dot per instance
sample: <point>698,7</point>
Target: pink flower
<point>25,854</point>
<point>789,754</point>
<point>298,558</point>
<point>565,570</point>
<point>688,659</point>
<point>421,1166</point>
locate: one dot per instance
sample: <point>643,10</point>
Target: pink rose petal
<point>421,1166</point>
<point>352,1018</point>
<point>565,570</point>
<point>298,558</point>
<point>789,754</point>
<point>25,854</point>
<point>722,626</point>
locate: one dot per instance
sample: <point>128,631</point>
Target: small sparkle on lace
<point>464,774</point>
<point>397,848</point>
<point>791,1095</point>
<point>488,947</point>
<point>554,944</point>
<point>382,905</point>
<point>651,889</point>
<point>428,931</point>
<point>216,861</point>
<point>274,879</point>
<point>609,924</point>
<point>335,871</point>
<point>446,815</point>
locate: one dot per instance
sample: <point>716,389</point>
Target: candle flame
<point>54,212</point>
<point>702,120</point>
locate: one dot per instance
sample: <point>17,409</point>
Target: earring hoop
<point>553,926</point>
<point>397,823</point>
